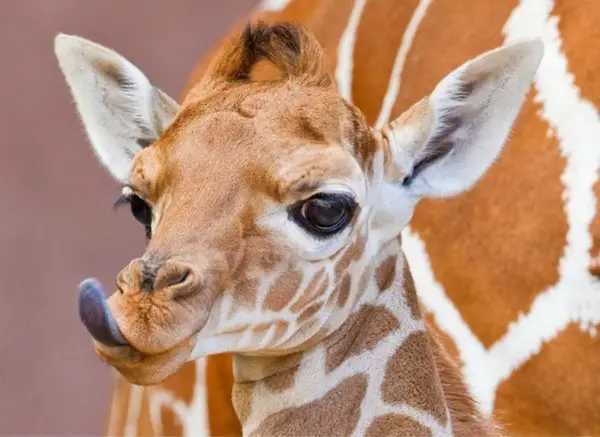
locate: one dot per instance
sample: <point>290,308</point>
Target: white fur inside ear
<point>472,111</point>
<point>120,109</point>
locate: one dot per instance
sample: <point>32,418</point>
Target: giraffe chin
<point>144,369</point>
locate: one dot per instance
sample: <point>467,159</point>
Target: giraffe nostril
<point>182,277</point>
<point>173,278</point>
<point>147,276</point>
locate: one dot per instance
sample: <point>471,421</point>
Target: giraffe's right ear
<point>120,109</point>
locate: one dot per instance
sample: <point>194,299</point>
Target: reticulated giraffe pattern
<point>567,303</point>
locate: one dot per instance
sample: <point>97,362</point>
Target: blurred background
<point>57,225</point>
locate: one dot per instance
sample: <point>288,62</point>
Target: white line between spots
<point>396,77</point>
<point>345,55</point>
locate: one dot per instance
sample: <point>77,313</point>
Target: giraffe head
<point>265,195</point>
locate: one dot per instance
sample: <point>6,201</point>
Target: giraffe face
<point>265,195</point>
<point>254,200</point>
<point>254,212</point>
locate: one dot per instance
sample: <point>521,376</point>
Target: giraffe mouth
<point>96,315</point>
<point>136,365</point>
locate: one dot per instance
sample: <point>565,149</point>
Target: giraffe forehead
<point>284,154</point>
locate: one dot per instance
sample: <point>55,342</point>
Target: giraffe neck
<point>380,373</point>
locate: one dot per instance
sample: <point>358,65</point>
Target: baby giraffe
<point>274,215</point>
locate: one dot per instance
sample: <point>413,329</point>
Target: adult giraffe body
<point>522,316</point>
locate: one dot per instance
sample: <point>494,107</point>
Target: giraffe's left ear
<point>443,144</point>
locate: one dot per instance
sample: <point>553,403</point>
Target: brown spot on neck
<point>412,378</point>
<point>335,414</point>
<point>464,414</point>
<point>395,425</point>
<point>386,273</point>
<point>361,332</point>
<point>410,292</point>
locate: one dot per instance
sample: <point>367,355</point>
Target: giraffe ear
<point>120,109</point>
<point>447,141</point>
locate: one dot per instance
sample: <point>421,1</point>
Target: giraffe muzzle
<point>96,315</point>
<point>138,366</point>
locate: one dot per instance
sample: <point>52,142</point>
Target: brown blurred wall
<point>56,217</point>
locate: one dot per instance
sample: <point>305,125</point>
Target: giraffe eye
<point>140,210</point>
<point>324,214</point>
<point>142,213</point>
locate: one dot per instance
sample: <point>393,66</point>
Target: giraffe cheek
<point>309,313</point>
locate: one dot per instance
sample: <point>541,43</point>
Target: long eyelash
<point>124,199</point>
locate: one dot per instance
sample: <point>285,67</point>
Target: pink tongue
<point>96,316</point>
